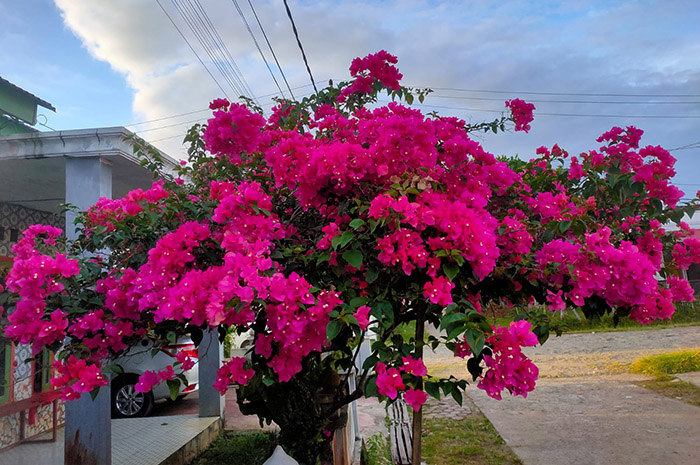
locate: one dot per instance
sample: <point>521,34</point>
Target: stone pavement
<point>693,378</point>
<point>595,421</point>
<point>173,440</point>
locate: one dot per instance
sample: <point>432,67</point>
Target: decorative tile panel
<point>9,430</point>
<point>23,372</point>
<point>43,421</point>
<point>15,219</point>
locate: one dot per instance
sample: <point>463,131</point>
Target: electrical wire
<point>211,49</point>
<point>301,47</point>
<point>580,94</point>
<point>192,48</point>
<point>459,97</point>
<point>271,49</point>
<point>232,63</point>
<point>257,45</point>
<point>165,117</point>
<point>539,113</point>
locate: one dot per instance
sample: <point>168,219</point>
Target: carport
<point>41,170</point>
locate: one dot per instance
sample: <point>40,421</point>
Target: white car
<point>129,403</point>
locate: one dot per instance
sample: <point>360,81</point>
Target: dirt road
<point>586,409</point>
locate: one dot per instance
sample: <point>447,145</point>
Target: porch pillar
<point>211,354</point>
<point>88,427</point>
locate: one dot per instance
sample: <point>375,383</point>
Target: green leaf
<point>459,329</point>
<point>114,368</point>
<point>335,242</point>
<point>172,337</point>
<point>358,301</point>
<point>357,223</point>
<point>174,387</point>
<point>457,396</point>
<point>371,387</point>
<point>333,329</point>
<point>371,275</point>
<point>451,318</point>
<point>267,381</point>
<point>323,258</point>
<point>475,339</point>
<point>564,225</point>
<point>451,270</point>
<point>433,389</point>
<point>346,237</point>
<point>94,392</point>
<point>353,257</point>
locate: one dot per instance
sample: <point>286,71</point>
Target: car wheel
<point>127,402</point>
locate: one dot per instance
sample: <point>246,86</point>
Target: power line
<point>301,47</point>
<point>692,145</point>
<point>257,45</point>
<point>166,117</point>
<point>192,48</point>
<point>172,125</point>
<point>271,49</point>
<point>459,97</point>
<point>580,94</point>
<point>231,62</point>
<point>539,113</point>
<point>210,47</point>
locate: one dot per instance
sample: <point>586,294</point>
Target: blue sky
<point>116,62</point>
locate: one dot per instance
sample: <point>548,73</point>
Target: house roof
<point>38,101</point>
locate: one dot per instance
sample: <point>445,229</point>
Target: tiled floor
<point>138,441</point>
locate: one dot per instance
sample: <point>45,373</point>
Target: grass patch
<point>472,441</point>
<point>240,448</point>
<point>663,367</point>
<point>668,386</point>
<point>684,361</point>
<point>376,451</point>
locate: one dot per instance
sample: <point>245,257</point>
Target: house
<point>38,172</point>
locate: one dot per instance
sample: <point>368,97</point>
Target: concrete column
<point>211,354</point>
<point>88,422</point>
<point>87,179</point>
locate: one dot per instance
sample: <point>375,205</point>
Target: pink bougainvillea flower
<point>522,113</point>
<point>362,316</point>
<point>439,291</point>
<point>389,383</point>
<point>413,366</point>
<point>415,398</point>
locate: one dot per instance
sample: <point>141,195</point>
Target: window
<point>42,372</point>
<point>5,371</point>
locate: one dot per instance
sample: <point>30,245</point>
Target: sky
<point>586,65</point>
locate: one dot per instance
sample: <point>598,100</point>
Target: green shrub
<point>239,448</point>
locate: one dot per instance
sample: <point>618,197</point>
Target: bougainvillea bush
<point>335,221</point>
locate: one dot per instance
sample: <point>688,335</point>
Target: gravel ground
<point>586,353</point>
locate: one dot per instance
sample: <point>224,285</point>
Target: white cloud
<point>579,47</point>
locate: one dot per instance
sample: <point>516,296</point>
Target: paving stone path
<point>586,409</point>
